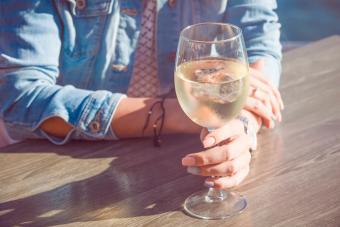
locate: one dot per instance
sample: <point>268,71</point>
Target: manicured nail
<point>209,184</point>
<point>188,161</point>
<point>194,170</point>
<point>208,142</point>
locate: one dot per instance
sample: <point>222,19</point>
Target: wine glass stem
<point>215,195</point>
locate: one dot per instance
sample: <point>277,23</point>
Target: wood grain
<point>294,179</point>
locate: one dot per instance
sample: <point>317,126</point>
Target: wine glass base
<point>201,206</point>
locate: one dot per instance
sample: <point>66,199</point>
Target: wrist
<point>254,120</point>
<point>250,127</point>
<point>176,121</point>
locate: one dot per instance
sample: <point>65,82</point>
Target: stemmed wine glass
<point>211,82</point>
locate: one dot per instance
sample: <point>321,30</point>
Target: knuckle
<point>211,157</point>
<point>201,159</point>
<point>206,160</point>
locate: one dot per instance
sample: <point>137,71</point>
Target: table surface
<point>294,178</point>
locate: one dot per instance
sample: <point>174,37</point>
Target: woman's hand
<point>227,156</point>
<point>264,99</point>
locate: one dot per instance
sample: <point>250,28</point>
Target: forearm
<point>56,126</point>
<point>131,115</point>
<point>129,119</point>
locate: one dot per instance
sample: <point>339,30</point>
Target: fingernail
<point>272,124</point>
<point>193,170</point>
<point>209,184</point>
<point>208,142</point>
<point>188,161</point>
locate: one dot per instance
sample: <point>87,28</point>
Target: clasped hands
<point>226,151</point>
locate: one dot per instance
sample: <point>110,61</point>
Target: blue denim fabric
<point>59,58</point>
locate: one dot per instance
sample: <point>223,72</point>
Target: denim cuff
<point>94,122</point>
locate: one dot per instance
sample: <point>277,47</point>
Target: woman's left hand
<point>227,156</point>
<point>264,99</point>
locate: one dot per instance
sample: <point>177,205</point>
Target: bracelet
<point>250,132</point>
<point>157,126</point>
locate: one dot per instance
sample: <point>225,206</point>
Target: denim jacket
<point>73,59</point>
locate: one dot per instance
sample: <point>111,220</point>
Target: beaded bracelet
<point>157,131</point>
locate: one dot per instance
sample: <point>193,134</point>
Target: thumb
<point>259,64</point>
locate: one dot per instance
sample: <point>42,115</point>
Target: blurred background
<point>304,21</point>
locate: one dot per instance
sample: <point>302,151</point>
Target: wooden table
<point>294,179</point>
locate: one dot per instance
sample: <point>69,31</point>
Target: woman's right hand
<point>226,154</point>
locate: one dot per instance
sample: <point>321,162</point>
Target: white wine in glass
<point>212,82</point>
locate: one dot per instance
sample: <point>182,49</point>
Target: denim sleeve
<point>261,29</point>
<point>29,56</point>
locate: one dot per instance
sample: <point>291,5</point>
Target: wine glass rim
<point>238,29</point>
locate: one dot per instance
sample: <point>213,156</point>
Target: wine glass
<point>212,82</point>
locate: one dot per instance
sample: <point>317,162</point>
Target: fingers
<point>227,168</point>
<point>230,158</point>
<point>230,181</point>
<point>269,100</point>
<point>267,91</point>
<point>218,154</point>
<point>266,82</point>
<point>259,108</point>
<point>262,96</point>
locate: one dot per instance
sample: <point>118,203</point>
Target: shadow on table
<point>125,189</point>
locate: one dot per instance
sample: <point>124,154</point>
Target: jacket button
<point>119,68</point>
<point>80,4</point>
<point>94,126</point>
<point>129,11</point>
<point>172,3</point>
